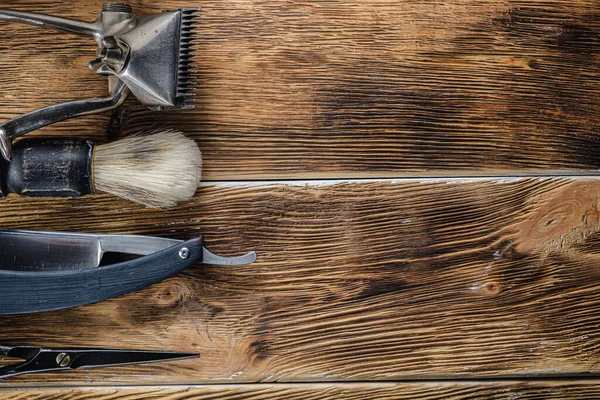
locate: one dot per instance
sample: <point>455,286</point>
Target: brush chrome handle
<point>33,120</point>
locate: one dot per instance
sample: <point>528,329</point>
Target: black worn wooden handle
<point>49,168</point>
<point>28,292</point>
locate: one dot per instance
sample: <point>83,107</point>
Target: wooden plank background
<point>357,391</point>
<point>354,88</point>
<point>319,123</point>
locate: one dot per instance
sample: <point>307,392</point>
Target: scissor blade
<point>5,349</point>
<point>106,358</point>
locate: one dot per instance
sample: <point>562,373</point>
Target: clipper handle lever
<point>12,129</point>
<point>63,24</point>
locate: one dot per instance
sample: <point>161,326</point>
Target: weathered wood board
<point>354,281</point>
<point>359,277</point>
<point>329,89</point>
<point>354,391</point>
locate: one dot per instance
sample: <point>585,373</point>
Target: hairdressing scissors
<point>38,359</point>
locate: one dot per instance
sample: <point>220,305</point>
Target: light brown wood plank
<point>354,281</point>
<point>359,88</point>
<point>350,391</point>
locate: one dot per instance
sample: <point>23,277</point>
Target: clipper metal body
<point>147,55</point>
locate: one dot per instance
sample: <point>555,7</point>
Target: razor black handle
<point>48,168</point>
<point>31,291</point>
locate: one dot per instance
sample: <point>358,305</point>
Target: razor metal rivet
<point>184,253</point>
<point>63,359</point>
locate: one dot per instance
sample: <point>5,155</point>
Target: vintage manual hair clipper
<point>147,55</point>
<point>43,271</point>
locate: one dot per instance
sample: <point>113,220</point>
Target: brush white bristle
<point>159,169</point>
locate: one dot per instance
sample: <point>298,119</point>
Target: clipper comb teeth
<point>185,84</point>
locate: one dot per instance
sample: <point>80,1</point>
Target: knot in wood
<point>491,288</point>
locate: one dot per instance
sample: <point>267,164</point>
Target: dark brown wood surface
<point>355,88</point>
<point>354,281</point>
<point>354,391</point>
<point>373,280</point>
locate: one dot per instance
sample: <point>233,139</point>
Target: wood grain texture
<point>355,88</point>
<point>363,280</point>
<point>357,391</point>
<point>354,281</point>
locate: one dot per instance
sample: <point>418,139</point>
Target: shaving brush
<point>158,169</point>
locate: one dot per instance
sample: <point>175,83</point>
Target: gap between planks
<point>353,391</point>
<point>409,175</point>
<point>425,180</point>
<point>592,379</point>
